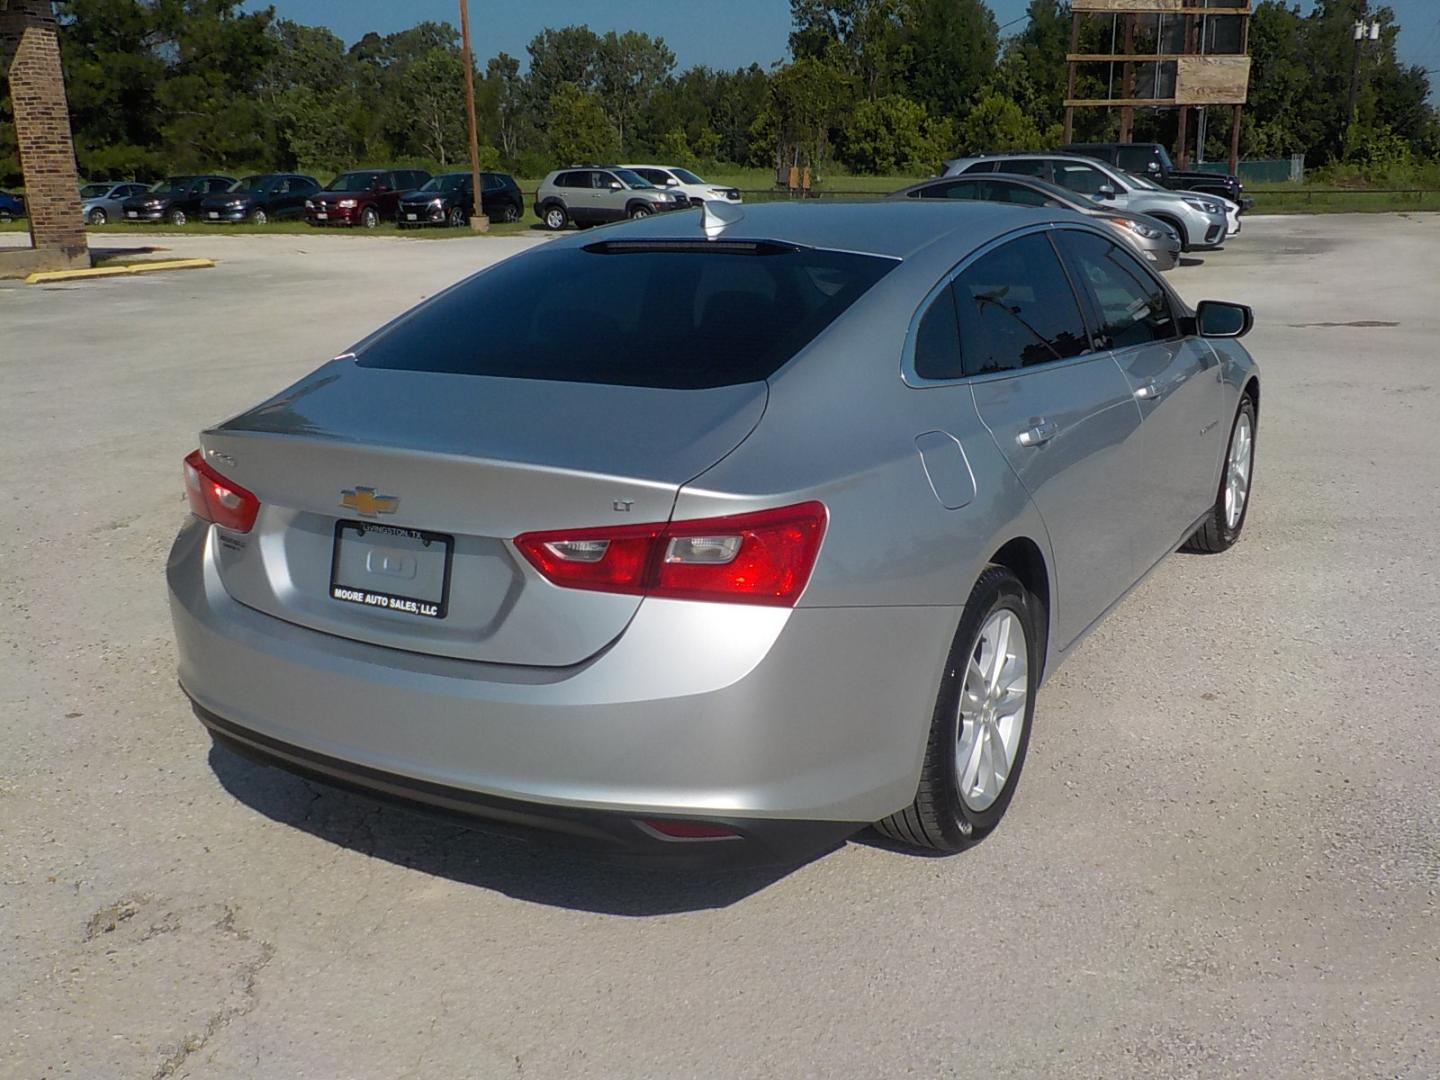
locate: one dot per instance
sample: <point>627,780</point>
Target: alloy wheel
<point>259,217</point>
<point>992,709</point>
<point>555,219</point>
<point>1237,470</point>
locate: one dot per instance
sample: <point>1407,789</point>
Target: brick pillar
<point>30,56</point>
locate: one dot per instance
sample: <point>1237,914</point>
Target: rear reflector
<point>688,830</point>
<point>214,498</point>
<point>761,558</point>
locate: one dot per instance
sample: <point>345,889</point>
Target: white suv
<point>675,179</point>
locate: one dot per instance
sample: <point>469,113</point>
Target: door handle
<point>1149,392</point>
<point>1042,431</point>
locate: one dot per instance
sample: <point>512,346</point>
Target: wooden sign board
<point>1125,5</point>
<point>1211,80</point>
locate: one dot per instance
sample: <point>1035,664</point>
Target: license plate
<point>322,216</point>
<point>392,568</point>
<point>410,217</point>
<point>132,213</point>
<point>213,214</point>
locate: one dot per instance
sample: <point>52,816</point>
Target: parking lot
<point>1223,860</point>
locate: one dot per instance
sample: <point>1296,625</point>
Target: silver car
<point>718,535</point>
<point>595,195</point>
<point>1156,241</point>
<point>102,202</point>
<point>1200,220</point>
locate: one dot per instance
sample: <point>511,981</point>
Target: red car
<point>362,197</point>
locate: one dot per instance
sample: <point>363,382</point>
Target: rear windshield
<point>675,317</point>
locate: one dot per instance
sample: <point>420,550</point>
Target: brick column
<point>30,56</point>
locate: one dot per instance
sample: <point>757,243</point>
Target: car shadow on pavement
<point>535,872</point>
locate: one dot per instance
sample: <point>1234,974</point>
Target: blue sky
<point>730,34</point>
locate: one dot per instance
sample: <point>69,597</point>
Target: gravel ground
<point>1223,860</point>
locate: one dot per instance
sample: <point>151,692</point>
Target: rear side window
<point>961,189</point>
<point>1017,194</point>
<point>1016,308</point>
<point>1131,304</point>
<point>937,340</point>
<point>678,315</point>
<point>1136,158</point>
<point>1080,178</point>
<point>1026,167</point>
<point>981,167</point>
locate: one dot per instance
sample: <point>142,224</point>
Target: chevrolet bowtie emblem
<point>366,503</point>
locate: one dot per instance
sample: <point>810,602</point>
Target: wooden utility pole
<point>478,221</point>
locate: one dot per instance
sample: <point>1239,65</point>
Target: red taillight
<point>760,558</point>
<point>214,498</point>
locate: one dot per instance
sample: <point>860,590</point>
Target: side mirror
<point>615,185</point>
<point>1105,191</point>
<point>670,181</point>
<point>1153,166</point>
<point>1220,319</point>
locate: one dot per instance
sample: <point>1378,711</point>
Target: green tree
<point>579,129</point>
<point>863,38</point>
<point>629,68</point>
<point>952,49</point>
<point>427,115</point>
<point>806,99</point>
<point>557,57</point>
<point>894,134</point>
<point>995,124</point>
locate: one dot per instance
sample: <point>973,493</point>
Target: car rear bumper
<point>697,711</point>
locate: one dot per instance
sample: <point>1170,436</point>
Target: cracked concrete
<point>1222,861</point>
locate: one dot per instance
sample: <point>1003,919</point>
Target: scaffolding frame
<point>1201,78</point>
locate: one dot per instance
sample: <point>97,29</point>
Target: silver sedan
<point>1158,243</point>
<point>716,536</point>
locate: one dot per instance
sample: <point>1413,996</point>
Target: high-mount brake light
<point>764,557</point>
<point>216,499</point>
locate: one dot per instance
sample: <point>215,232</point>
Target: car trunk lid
<point>411,485</point>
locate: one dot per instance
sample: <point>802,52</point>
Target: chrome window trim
<point>915,381</point>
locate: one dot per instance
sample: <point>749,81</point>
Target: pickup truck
<point>1151,161</point>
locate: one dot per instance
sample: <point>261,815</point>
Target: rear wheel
<point>97,216</point>
<point>370,217</point>
<point>510,213</point>
<point>1227,517</point>
<point>555,217</point>
<point>980,730</point>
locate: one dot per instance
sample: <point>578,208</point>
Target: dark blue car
<point>11,206</point>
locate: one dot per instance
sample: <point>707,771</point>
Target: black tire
<point>939,819</point>
<point>456,217</point>
<point>511,213</point>
<point>178,217</point>
<point>554,216</point>
<point>259,217</point>
<point>97,217</point>
<point>1216,535</point>
<point>639,210</point>
<point>369,218</point>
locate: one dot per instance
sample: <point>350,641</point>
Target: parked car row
<point>364,197</point>
<point>595,194</point>
<point>11,206</point>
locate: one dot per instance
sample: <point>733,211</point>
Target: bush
<point>894,134</point>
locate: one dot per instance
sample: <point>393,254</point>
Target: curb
<point>44,276</point>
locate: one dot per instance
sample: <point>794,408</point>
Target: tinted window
<point>355,181</point>
<point>1016,308</point>
<point>677,316</point>
<point>655,176</point>
<point>1025,167</point>
<point>1079,178</point>
<point>981,166</point>
<point>96,191</point>
<point>1136,158</point>
<point>937,340</point>
<point>1001,191</point>
<point>1132,305</point>
<point>960,189</point>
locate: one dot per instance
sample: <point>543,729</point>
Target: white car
<point>674,178</point>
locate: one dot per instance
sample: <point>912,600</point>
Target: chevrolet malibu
<point>718,535</point>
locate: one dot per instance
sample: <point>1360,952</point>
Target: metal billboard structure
<point>1176,54</point>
